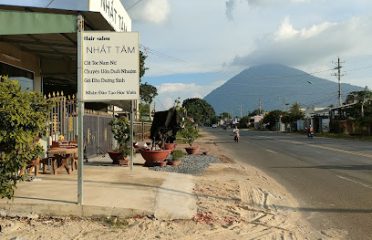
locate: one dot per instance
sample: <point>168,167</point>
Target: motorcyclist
<point>310,131</point>
<point>236,134</point>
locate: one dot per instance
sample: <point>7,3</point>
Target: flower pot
<point>116,157</point>
<point>174,163</point>
<point>170,146</point>
<point>154,157</point>
<point>192,149</point>
<point>162,164</point>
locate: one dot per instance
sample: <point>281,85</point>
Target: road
<point>330,178</point>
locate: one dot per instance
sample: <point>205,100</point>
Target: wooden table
<point>63,157</point>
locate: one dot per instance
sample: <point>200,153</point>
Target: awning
<point>51,36</point>
<point>35,23</point>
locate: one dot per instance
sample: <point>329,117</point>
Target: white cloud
<point>169,92</point>
<point>231,5</point>
<point>299,47</point>
<point>287,31</point>
<point>272,2</point>
<point>154,11</point>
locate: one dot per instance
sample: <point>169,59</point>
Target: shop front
<point>38,47</point>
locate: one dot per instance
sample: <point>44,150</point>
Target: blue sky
<point>195,46</point>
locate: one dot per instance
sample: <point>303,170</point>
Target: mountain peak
<point>276,86</point>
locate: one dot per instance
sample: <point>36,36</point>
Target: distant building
<point>255,121</point>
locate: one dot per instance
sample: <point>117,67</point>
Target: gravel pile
<point>190,164</point>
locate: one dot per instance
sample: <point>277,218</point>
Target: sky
<point>194,46</point>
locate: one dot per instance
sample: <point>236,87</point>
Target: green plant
<point>38,151</point>
<point>177,154</point>
<point>120,128</point>
<point>23,117</point>
<point>190,132</point>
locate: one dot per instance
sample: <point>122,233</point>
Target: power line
<point>158,53</point>
<point>357,69</point>
<point>134,4</point>
<point>49,3</point>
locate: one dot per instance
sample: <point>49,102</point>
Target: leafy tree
<point>144,111</point>
<point>148,92</point>
<point>214,120</point>
<point>225,115</point>
<point>143,68</point>
<point>201,111</point>
<point>23,117</point>
<point>295,112</point>
<point>272,118</point>
<point>362,111</point>
<point>244,122</point>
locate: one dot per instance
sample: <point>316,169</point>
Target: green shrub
<point>23,117</point>
<point>120,128</point>
<point>177,154</point>
<point>189,133</point>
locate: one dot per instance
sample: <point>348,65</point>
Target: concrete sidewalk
<point>109,190</point>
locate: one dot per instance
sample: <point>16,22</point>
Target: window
<point>25,78</point>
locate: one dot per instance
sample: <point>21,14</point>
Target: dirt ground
<point>235,201</point>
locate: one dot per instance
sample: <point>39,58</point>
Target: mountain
<point>276,87</point>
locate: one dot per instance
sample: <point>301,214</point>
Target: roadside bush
<point>23,117</point>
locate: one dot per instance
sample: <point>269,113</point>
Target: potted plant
<point>154,157</point>
<point>169,143</point>
<point>35,157</point>
<point>190,133</point>
<point>120,128</point>
<point>176,157</point>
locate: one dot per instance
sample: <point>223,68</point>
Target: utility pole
<point>260,106</point>
<point>241,111</point>
<point>338,74</point>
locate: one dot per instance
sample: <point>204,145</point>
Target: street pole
<point>339,81</point>
<point>338,74</point>
<point>131,134</point>
<point>80,24</point>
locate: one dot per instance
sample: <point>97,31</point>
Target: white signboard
<point>110,66</point>
<point>114,12</point>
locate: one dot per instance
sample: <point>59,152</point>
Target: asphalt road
<point>330,178</point>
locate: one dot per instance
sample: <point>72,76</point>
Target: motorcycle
<point>310,133</point>
<point>236,135</point>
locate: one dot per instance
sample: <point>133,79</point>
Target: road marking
<point>356,182</point>
<point>294,142</point>
<point>270,151</point>
<point>330,148</point>
<point>343,151</point>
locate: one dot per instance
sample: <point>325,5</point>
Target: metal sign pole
<point>80,24</point>
<point>131,134</point>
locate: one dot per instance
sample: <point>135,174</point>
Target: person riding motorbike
<point>236,134</point>
<point>310,131</point>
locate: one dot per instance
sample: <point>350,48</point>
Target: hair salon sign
<point>110,66</point>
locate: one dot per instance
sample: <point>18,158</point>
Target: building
<point>38,47</point>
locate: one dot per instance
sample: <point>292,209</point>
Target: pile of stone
<point>190,164</point>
